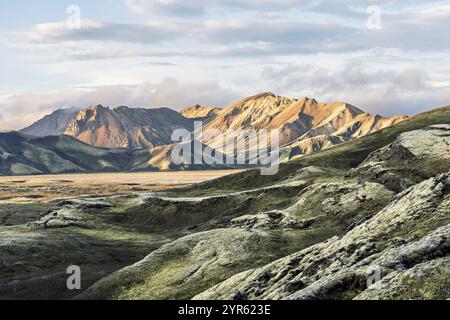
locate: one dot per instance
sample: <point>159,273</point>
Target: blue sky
<point>384,56</point>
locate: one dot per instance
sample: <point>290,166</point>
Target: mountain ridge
<point>51,124</point>
<point>202,113</point>
<point>305,125</point>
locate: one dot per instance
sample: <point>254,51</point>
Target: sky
<point>385,57</point>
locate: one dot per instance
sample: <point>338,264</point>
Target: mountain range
<point>142,137</point>
<point>133,128</point>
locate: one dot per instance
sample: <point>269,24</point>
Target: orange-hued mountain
<point>126,127</point>
<point>122,127</point>
<point>305,125</point>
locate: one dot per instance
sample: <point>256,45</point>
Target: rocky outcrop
<point>177,270</point>
<point>395,240</point>
<point>409,159</point>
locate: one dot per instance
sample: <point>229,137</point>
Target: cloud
<point>21,110</point>
<point>250,30</point>
<point>389,92</point>
<point>195,8</point>
<point>242,35</point>
<point>200,7</point>
<point>90,30</point>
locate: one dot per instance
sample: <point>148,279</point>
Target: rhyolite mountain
<point>305,125</point>
<point>121,127</point>
<point>124,127</point>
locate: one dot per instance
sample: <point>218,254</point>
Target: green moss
<point>432,287</point>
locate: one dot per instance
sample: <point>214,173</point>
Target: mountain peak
<point>146,128</point>
<point>200,112</point>
<point>97,107</point>
<point>307,100</point>
<point>265,95</point>
<point>52,124</point>
<point>122,108</point>
<point>346,106</point>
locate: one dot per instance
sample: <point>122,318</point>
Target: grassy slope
<point>62,154</point>
<point>342,157</point>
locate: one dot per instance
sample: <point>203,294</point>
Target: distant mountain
<point>124,127</point>
<point>53,124</point>
<point>305,125</point>
<point>24,155</point>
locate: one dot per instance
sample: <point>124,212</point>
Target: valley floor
<point>45,188</point>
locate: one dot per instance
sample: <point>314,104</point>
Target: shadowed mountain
<point>22,155</point>
<point>53,124</point>
<point>26,155</point>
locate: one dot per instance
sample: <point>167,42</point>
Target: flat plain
<point>45,188</point>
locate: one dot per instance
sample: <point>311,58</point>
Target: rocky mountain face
<point>125,127</point>
<point>319,229</point>
<point>305,125</point>
<point>51,125</point>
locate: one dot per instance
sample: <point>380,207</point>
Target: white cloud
<point>195,8</point>
<point>57,32</point>
<point>385,91</point>
<point>199,7</point>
